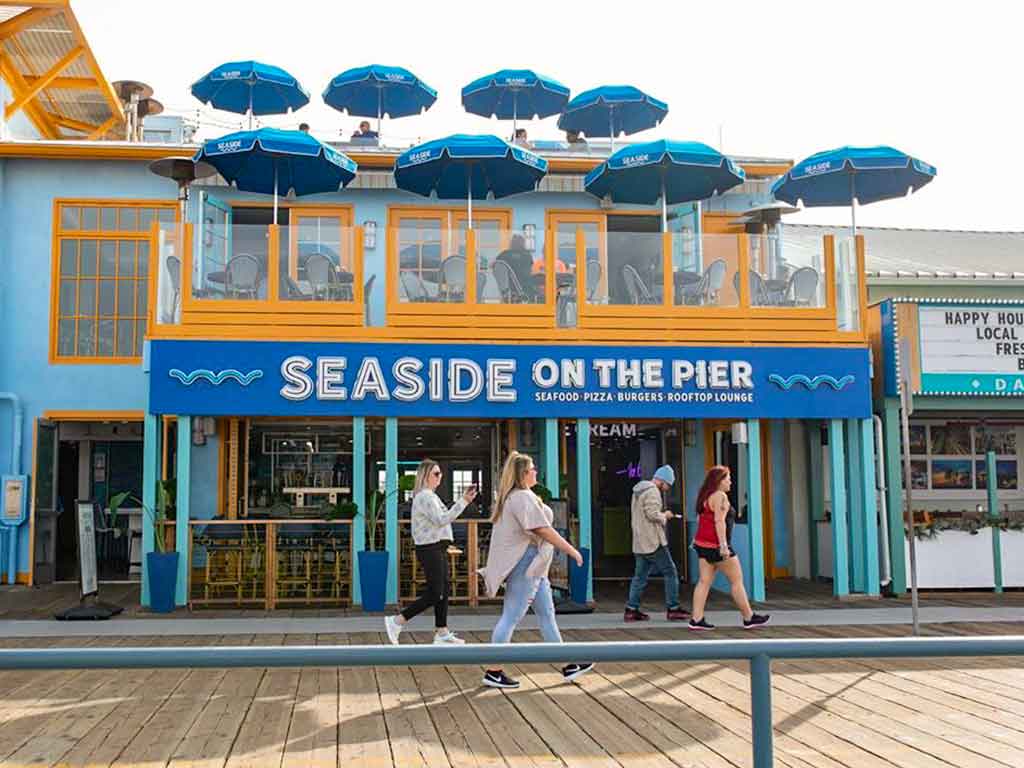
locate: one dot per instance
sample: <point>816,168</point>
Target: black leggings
<point>435,593</point>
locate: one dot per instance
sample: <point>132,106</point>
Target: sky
<point>778,80</point>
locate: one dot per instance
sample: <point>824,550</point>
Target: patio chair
<point>453,277</point>
<point>802,290</point>
<point>412,286</point>
<point>508,284</point>
<point>367,291</point>
<point>593,277</point>
<point>242,276</point>
<point>636,289</point>
<point>705,291</point>
<point>174,272</point>
<point>759,294</point>
<point>318,273</point>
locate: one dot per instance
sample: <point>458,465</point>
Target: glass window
<point>950,456</point>
<point>102,293</point>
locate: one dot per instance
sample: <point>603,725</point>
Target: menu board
<point>972,349</point>
<point>87,548</point>
<point>14,501</point>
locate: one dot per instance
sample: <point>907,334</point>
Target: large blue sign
<point>257,378</point>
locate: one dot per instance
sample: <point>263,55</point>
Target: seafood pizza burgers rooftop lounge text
<point>456,379</point>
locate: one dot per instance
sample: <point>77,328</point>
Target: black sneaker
<point>700,626</point>
<point>571,671</point>
<point>495,678</point>
<point>755,621</point>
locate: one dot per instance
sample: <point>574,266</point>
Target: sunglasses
<point>436,473</point>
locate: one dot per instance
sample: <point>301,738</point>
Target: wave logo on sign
<point>188,379</point>
<point>788,382</point>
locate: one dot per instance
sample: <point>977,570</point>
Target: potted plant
<point>373,564</point>
<point>161,565</point>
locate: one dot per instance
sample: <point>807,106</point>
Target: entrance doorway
<point>720,447</point>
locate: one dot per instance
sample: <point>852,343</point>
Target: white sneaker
<point>448,638</point>
<point>393,628</point>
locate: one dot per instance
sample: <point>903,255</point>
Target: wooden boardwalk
<point>932,713</point>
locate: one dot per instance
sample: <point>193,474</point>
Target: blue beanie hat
<point>666,475</point>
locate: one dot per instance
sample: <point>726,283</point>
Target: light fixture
<point>530,236</point>
<point>690,433</point>
<point>369,234</point>
<point>739,433</point>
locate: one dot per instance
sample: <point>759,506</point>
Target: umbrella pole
<point>664,205</point>
<point>469,184</point>
<point>275,193</point>
<point>515,112</point>
<point>380,108</point>
<point>853,205</point>
<point>250,106</point>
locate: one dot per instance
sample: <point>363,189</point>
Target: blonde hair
<point>422,474</point>
<point>513,477</point>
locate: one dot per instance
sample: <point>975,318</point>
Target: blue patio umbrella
<point>250,87</point>
<point>379,90</point>
<point>270,160</point>
<point>513,93</point>
<point>470,167</point>
<point>675,171</point>
<point>612,109</point>
<point>851,175</point>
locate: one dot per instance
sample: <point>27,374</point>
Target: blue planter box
<point>578,577</point>
<point>162,568</point>
<point>373,579</point>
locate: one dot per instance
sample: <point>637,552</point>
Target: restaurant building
<point>255,378</point>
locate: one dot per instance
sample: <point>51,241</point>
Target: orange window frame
<point>350,249</point>
<point>101,235</point>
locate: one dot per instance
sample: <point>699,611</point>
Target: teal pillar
<point>551,456</point>
<point>837,488</point>
<point>755,518</point>
<point>867,477</point>
<point>894,495</point>
<point>583,495</point>
<point>151,435</point>
<point>359,497</point>
<point>855,510</point>
<point>993,513</point>
<point>391,506</point>
<point>816,495</point>
<point>182,507</point>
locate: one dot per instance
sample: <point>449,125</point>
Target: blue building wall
<point>779,460</point>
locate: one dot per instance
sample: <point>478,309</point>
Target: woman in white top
<point>522,545</point>
<point>432,535</point>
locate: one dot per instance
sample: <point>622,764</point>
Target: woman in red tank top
<point>712,543</point>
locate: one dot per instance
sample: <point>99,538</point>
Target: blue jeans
<point>520,592</point>
<point>661,558</point>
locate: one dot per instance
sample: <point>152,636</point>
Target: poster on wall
<point>87,548</point>
<point>971,349</point>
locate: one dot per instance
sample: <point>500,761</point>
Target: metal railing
<point>759,653</point>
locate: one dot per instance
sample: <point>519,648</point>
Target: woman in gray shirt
<point>432,535</point>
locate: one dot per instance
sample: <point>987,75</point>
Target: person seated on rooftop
<point>304,127</point>
<point>364,135</point>
<point>519,138</point>
<point>520,260</point>
<point>574,138</point>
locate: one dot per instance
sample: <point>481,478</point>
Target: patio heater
<point>138,102</point>
<point>764,220</point>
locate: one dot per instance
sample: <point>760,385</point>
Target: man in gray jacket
<point>650,546</point>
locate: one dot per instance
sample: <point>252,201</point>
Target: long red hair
<point>712,482</point>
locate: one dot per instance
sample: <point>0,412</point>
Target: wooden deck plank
<point>362,730</point>
<point>313,733</point>
<point>414,739</point>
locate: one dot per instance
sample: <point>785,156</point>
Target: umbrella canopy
<point>851,175</point>
<point>510,94</point>
<point>378,90</point>
<point>611,110</point>
<point>250,86</point>
<point>270,161</point>
<point>468,167</point>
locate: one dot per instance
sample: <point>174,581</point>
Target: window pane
<point>67,297</point>
<point>69,216</point>
<point>86,338</point>
<point>166,215</point>
<point>107,292</point>
<point>66,337</point>
<point>129,220</point>
<point>143,299</point>
<point>140,335</point>
<point>87,297</point>
<point>125,342</point>
<point>126,259</point>
<point>951,474</point>
<point>1006,475</point>
<point>143,248</point>
<point>108,258</point>
<point>1002,440</point>
<point>125,297</point>
<point>68,257</point>
<point>90,219</point>
<point>951,439</point>
<point>918,475</point>
<point>918,439</point>
<point>109,217</point>
<point>87,258</point>
<point>146,217</point>
<point>106,338</point>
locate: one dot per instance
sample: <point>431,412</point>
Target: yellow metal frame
<point>57,232</point>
